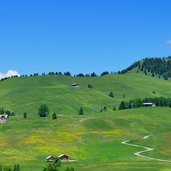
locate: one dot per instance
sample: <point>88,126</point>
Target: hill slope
<point>26,94</point>
<point>94,139</point>
<point>160,67</point>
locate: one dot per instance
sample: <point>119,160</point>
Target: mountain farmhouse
<point>4,118</point>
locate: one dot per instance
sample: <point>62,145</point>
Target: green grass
<point>94,142</point>
<point>26,94</point>
<point>94,139</point>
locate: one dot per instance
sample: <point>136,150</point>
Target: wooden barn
<point>63,157</point>
<point>50,159</point>
<point>4,118</point>
<point>149,104</point>
<point>75,85</point>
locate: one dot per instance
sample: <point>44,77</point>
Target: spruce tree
<point>43,110</point>
<point>54,116</point>
<point>81,111</point>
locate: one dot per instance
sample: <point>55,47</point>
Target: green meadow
<point>93,140</point>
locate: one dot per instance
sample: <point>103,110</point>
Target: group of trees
<point>154,66</point>
<point>93,74</point>
<point>7,112</point>
<point>157,66</point>
<point>43,111</point>
<point>15,168</point>
<point>158,101</point>
<point>3,79</point>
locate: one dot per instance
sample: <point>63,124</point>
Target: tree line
<point>157,66</point>
<point>93,74</point>
<point>7,112</point>
<point>136,103</point>
<point>160,67</point>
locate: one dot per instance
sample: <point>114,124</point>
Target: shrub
<point>90,86</point>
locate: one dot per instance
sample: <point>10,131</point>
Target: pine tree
<point>54,116</point>
<point>81,111</point>
<point>43,110</point>
<point>122,105</point>
<point>24,115</point>
<point>111,94</point>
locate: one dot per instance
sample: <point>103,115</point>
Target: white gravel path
<point>146,149</point>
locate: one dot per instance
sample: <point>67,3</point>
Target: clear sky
<point>82,35</point>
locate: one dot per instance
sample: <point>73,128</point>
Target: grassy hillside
<point>26,94</point>
<point>94,139</point>
<point>95,142</point>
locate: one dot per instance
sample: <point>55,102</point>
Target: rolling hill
<point>26,94</point>
<point>94,139</point>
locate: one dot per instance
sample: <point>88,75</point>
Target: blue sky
<point>82,35</point>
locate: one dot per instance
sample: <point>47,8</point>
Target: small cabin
<point>50,159</point>
<point>4,118</point>
<point>149,104</point>
<point>75,85</point>
<point>63,157</point>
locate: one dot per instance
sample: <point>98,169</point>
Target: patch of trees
<point>153,66</point>
<point>157,66</point>
<point>6,78</point>
<point>93,74</point>
<point>136,103</point>
<point>43,111</point>
<point>7,112</point>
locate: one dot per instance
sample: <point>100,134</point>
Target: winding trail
<point>146,149</point>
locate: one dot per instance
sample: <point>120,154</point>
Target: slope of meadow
<point>26,94</point>
<point>94,139</point>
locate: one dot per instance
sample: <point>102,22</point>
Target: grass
<point>94,142</point>
<point>26,94</point>
<point>94,139</point>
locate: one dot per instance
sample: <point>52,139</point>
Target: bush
<point>90,86</point>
